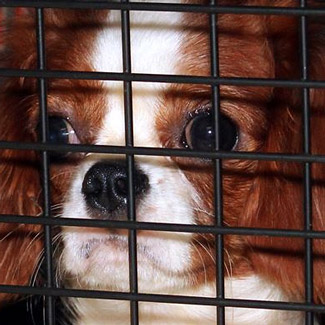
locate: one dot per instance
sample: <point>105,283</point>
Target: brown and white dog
<point>168,189</point>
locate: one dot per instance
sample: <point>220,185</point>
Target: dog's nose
<point>105,188</point>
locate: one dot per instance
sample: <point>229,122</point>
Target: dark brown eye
<point>199,133</point>
<point>61,132</point>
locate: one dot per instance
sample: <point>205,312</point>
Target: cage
<point>32,290</point>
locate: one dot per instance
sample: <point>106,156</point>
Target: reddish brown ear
<point>317,99</point>
<point>276,202</point>
<point>20,191</point>
<point>276,199</point>
<point>20,245</point>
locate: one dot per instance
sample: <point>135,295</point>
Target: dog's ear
<point>20,244</point>
<point>20,190</point>
<point>276,202</point>
<point>317,101</point>
<point>277,195</point>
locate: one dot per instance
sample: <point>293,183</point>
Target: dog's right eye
<point>61,132</point>
<point>199,133</point>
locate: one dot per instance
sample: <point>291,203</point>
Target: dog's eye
<point>199,133</point>
<point>61,132</point>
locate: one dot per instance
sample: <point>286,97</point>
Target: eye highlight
<point>60,132</point>
<point>199,133</point>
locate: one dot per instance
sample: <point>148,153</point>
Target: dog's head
<point>167,189</point>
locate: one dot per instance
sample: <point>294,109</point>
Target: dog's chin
<point>99,259</point>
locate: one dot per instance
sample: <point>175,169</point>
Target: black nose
<point>105,187</point>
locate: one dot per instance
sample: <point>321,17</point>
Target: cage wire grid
<point>219,230</point>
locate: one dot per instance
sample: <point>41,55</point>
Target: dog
<point>175,190</point>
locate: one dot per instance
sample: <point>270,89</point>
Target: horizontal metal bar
<point>161,78</point>
<point>169,7</point>
<point>159,298</point>
<point>148,151</point>
<point>152,226</point>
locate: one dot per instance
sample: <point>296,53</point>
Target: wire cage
<point>49,291</point>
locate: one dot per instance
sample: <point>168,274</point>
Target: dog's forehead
<point>156,40</point>
<point>171,43</point>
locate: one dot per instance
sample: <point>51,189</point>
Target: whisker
<point>202,260</point>
<point>210,214</point>
<point>57,206</point>
<point>63,173</point>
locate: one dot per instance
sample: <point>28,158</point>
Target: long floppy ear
<point>277,197</point>
<point>20,244</point>
<point>20,190</point>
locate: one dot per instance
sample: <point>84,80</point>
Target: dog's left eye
<point>199,133</point>
<point>61,132</point>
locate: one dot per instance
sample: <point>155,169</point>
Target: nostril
<point>121,186</point>
<point>92,186</point>
<point>144,181</point>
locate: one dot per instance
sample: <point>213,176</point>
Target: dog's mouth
<point>114,241</point>
<point>117,243</point>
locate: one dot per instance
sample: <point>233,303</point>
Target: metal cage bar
<point>309,320</point>
<point>168,227</point>
<point>174,299</point>
<point>218,204</point>
<point>102,4</point>
<point>133,273</point>
<point>144,77</point>
<point>150,151</point>
<point>42,91</point>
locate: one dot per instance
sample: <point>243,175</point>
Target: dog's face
<point>168,190</point>
<point>165,115</point>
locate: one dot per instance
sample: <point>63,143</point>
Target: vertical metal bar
<point>42,91</point>
<point>133,272</point>
<point>218,203</point>
<point>309,320</point>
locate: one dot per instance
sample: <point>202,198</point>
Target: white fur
<point>96,312</point>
